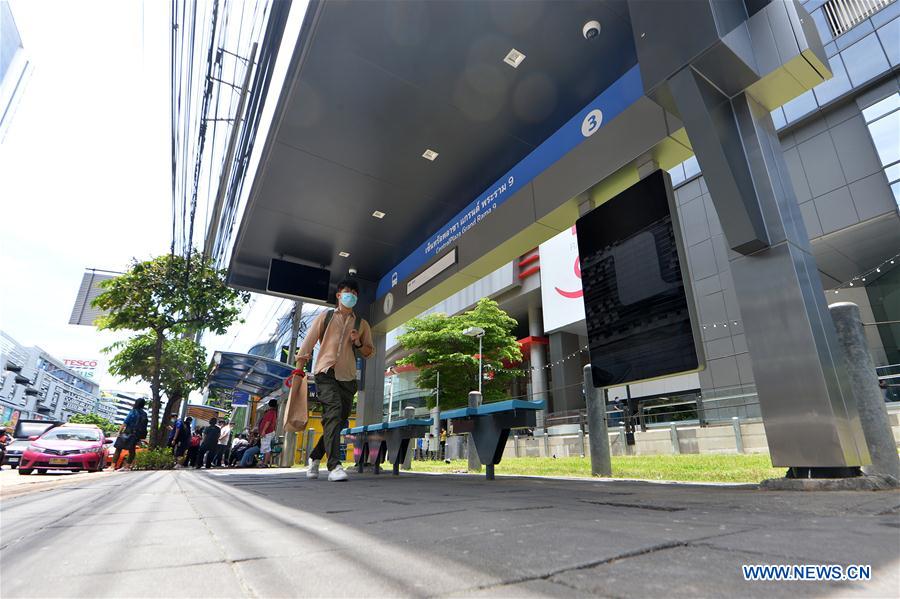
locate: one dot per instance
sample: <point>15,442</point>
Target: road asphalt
<point>273,533</point>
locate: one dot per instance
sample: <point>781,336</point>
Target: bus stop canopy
<point>348,181</point>
<point>254,374</point>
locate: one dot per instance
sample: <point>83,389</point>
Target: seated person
<point>237,450</point>
<point>251,452</point>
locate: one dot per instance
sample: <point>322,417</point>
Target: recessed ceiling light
<point>378,214</point>
<point>514,58</point>
<point>343,254</point>
<point>429,155</point>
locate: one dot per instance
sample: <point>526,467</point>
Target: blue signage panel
<point>624,92</point>
<point>240,398</point>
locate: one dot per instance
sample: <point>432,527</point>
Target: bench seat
<point>410,422</point>
<point>489,424</point>
<point>493,408</point>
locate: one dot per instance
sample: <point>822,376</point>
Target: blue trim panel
<point>410,422</point>
<point>612,101</point>
<point>494,408</point>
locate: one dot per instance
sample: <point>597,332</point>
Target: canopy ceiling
<point>376,84</point>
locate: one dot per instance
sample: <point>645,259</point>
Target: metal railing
<point>843,15</point>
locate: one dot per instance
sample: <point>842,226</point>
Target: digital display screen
<point>298,280</point>
<point>637,309</point>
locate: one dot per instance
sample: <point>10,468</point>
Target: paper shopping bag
<point>296,413</point>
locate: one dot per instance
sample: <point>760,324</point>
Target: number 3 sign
<point>591,122</point>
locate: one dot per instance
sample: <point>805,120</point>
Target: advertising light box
<point>637,298</point>
<point>561,281</point>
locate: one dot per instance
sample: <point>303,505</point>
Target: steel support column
<point>808,410</point>
<point>713,64</point>
<point>538,363</point>
<point>370,402</point>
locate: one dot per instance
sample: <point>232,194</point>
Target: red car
<point>67,447</point>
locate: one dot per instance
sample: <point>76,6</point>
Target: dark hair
<point>273,403</point>
<point>212,421</point>
<point>188,419</point>
<point>139,403</point>
<point>350,284</point>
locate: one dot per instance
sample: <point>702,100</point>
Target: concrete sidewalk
<point>13,485</point>
<point>273,533</point>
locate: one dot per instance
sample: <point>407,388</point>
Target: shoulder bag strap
<point>328,316</point>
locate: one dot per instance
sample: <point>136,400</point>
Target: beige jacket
<point>336,350</point>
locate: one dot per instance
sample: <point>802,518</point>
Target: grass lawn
<point>746,468</point>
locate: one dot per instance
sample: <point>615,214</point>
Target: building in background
<point>842,145</point>
<point>121,403</point>
<point>15,68</point>
<point>37,385</point>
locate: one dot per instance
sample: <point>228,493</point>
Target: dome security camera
<point>352,272</point>
<point>591,30</point>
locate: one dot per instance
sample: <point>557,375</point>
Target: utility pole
<point>290,439</point>
<point>212,229</point>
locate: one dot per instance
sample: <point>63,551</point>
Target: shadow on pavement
<point>462,534</point>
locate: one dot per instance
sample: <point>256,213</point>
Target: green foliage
<point>154,459</point>
<point>182,368</point>
<point>109,428</point>
<point>170,293</point>
<point>437,344</point>
<point>165,298</point>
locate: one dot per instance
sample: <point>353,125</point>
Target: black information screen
<point>298,280</point>
<point>638,320</point>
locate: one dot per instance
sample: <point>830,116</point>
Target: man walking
<point>208,445</point>
<point>343,335</point>
<point>132,432</point>
<point>181,441</point>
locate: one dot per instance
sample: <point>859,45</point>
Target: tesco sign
<point>81,363</point>
<point>85,368</point>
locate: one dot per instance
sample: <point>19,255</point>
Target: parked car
<point>24,433</point>
<point>111,451</point>
<point>66,447</point>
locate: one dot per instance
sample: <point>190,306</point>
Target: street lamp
<point>477,332</point>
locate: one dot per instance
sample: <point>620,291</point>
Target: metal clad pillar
<point>538,363</point>
<point>601,462</point>
<point>717,89</point>
<point>370,404</point>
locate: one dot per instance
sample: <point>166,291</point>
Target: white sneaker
<point>337,474</point>
<point>312,468</point>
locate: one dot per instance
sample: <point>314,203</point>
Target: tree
<point>437,344</point>
<point>171,295</point>
<point>109,428</point>
<point>182,369</point>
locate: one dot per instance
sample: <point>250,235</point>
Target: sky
<point>85,171</point>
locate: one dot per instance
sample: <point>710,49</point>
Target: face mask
<point>348,299</point>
